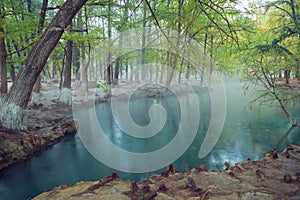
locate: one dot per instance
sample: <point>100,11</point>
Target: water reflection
<point>247,134</point>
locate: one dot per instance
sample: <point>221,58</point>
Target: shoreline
<point>47,125</point>
<point>51,120</point>
<point>276,176</point>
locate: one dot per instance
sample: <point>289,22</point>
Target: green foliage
<point>105,87</point>
<point>234,39</point>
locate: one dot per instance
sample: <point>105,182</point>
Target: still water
<point>247,133</point>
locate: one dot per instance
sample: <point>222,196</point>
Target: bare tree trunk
<point>126,69</point>
<point>143,74</point>
<point>42,16</point>
<point>287,75</point>
<point>117,70</point>
<point>3,56</point>
<point>36,90</point>
<point>174,56</point>
<point>61,74</point>
<point>85,79</point>
<point>286,112</point>
<point>85,70</point>
<point>109,56</point>
<point>12,73</point>
<point>131,73</point>
<point>204,62</point>
<point>38,84</point>
<point>101,69</point>
<point>272,90</point>
<point>68,66</point>
<point>12,111</point>
<point>211,64</point>
<point>12,67</point>
<point>76,60</point>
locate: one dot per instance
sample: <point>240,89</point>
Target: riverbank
<point>47,124</point>
<point>50,120</point>
<point>276,176</point>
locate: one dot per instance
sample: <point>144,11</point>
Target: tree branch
<point>19,50</point>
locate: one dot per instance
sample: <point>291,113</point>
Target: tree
<point>38,84</point>
<point>12,111</point>
<point>273,48</point>
<point>3,54</point>
<point>284,20</point>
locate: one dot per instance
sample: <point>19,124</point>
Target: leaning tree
<point>13,108</point>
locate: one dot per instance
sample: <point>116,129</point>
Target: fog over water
<point>247,133</point>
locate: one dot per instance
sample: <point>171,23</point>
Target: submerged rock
<point>267,178</point>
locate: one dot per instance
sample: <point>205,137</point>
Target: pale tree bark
<point>12,111</point>
<point>65,91</point>
<point>76,63</point>
<point>77,53</point>
<point>85,79</point>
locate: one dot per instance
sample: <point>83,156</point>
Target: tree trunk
<point>61,72</point>
<point>76,60</point>
<point>117,70</point>
<point>42,16</point>
<point>211,64</point>
<point>285,111</point>
<point>108,69</point>
<point>12,66</point>
<point>3,55</point>
<point>68,66</point>
<point>3,63</point>
<point>38,84</point>
<point>85,79</point>
<point>143,74</point>
<point>18,97</point>
<point>204,61</point>
<point>12,73</point>
<point>126,69</point>
<point>109,56</point>
<point>287,76</point>
<point>101,70</point>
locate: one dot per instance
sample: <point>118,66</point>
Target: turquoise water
<point>247,133</point>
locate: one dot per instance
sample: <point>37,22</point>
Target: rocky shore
<point>47,124</point>
<point>277,176</point>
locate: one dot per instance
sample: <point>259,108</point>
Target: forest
<point>78,47</point>
<point>257,40</point>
